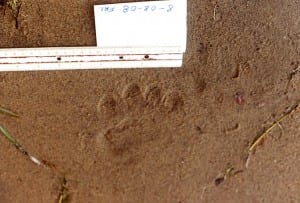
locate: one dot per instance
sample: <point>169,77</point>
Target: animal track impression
<point>136,117</point>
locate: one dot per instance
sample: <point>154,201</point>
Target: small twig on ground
<point>260,138</point>
<point>215,12</point>
<point>228,172</point>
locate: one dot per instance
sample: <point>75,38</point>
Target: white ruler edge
<point>56,58</point>
<point>62,51</point>
<point>90,65</point>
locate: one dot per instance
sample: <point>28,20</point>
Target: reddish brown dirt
<point>157,135</point>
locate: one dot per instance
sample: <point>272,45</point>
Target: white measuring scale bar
<point>129,35</point>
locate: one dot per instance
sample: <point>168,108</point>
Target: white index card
<point>150,24</point>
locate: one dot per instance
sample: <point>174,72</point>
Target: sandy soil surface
<point>157,135</point>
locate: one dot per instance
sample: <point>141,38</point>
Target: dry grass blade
<point>64,196</point>
<point>8,112</point>
<point>12,140</point>
<point>14,6</point>
<point>8,136</point>
<point>259,139</point>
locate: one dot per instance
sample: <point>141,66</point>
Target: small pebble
<point>239,98</point>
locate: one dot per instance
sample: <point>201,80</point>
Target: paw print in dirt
<point>137,116</point>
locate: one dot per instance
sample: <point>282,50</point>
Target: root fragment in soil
<point>261,137</point>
